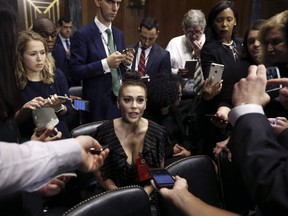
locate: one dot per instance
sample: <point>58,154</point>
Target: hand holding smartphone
<point>162,178</point>
<point>273,73</point>
<point>125,51</point>
<point>216,72</point>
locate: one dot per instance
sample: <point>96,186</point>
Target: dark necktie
<point>114,71</point>
<point>141,65</point>
<point>67,44</point>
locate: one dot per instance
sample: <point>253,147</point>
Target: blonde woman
<point>40,83</point>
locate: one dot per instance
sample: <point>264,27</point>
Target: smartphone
<point>82,105</point>
<point>273,73</point>
<point>161,177</point>
<point>216,71</point>
<point>127,50</point>
<point>191,66</point>
<point>145,78</point>
<point>64,98</point>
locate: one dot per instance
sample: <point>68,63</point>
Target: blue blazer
<point>87,51</point>
<point>61,61</point>
<point>158,61</point>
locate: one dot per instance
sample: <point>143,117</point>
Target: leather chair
<point>74,118</point>
<point>86,129</point>
<point>86,182</point>
<point>124,201</point>
<point>201,176</point>
<point>76,91</point>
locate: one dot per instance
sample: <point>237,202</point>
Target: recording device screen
<point>81,104</point>
<point>272,73</point>
<point>162,177</point>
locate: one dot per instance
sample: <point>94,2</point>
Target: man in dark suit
<point>261,155</point>
<point>156,59</point>
<point>61,51</point>
<point>96,59</point>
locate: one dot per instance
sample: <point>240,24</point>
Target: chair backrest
<point>124,201</point>
<point>86,180</point>
<point>76,91</point>
<point>201,176</point>
<point>86,129</point>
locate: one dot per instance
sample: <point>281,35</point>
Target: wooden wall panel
<point>30,9</point>
<point>127,19</point>
<point>170,14</point>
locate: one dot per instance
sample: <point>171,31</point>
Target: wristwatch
<point>60,110</point>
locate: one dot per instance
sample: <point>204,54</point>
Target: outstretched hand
<point>251,90</point>
<point>91,162</point>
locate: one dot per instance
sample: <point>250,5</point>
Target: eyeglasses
<point>46,35</point>
<point>274,42</point>
<point>192,33</point>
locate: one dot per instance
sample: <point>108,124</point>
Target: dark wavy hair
<point>210,32</point>
<point>9,91</point>
<point>163,90</point>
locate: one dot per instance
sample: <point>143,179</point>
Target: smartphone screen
<point>272,73</point>
<point>191,66</point>
<point>81,104</point>
<point>162,177</point>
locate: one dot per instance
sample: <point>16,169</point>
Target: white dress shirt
<point>28,166</point>
<point>180,52</point>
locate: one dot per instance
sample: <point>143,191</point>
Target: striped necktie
<point>114,71</point>
<point>141,65</point>
<point>198,79</point>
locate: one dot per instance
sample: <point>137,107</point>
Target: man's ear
<point>97,3</point>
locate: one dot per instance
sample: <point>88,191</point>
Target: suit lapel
<point>96,39</point>
<point>152,57</point>
<point>136,47</point>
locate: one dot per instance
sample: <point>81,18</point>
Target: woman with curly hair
<point>164,95</point>
<point>40,83</point>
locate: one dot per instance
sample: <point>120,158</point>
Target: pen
<point>95,151</point>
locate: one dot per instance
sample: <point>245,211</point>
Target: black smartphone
<point>191,66</point>
<point>127,50</point>
<point>161,177</point>
<point>82,105</point>
<point>273,73</point>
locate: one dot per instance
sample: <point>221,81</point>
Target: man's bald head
<point>47,29</point>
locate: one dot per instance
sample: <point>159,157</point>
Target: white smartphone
<point>216,71</point>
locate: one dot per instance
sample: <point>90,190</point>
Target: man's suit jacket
<point>61,61</point>
<point>263,162</point>
<point>87,51</point>
<point>158,61</point>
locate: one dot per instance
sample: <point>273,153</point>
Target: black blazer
<point>263,162</point>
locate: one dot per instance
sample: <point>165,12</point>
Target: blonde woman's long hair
<point>47,74</point>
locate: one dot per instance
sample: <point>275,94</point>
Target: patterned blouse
<point>116,167</point>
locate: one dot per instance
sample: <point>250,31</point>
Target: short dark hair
<point>149,23</point>
<point>64,19</point>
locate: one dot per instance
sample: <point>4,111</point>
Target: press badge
<point>143,169</point>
